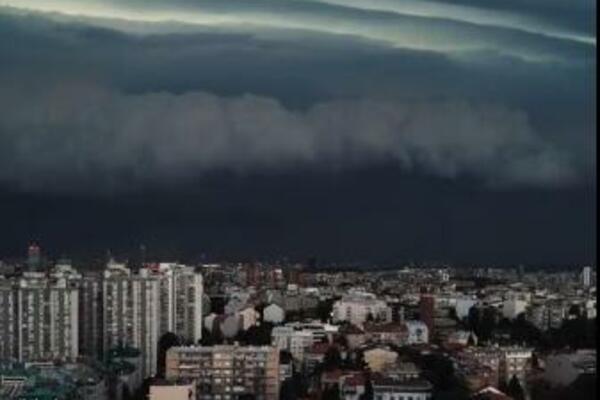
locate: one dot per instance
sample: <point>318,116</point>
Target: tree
<point>258,335</point>
<point>331,393</point>
<point>324,309</point>
<point>474,319</point>
<point>370,317</point>
<point>332,359</point>
<point>165,342</point>
<point>369,394</point>
<point>514,389</point>
<point>471,339</point>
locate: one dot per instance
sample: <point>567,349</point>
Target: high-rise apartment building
<point>8,319</point>
<point>181,292</point>
<point>227,372</point>
<point>47,320</point>
<point>130,308</point>
<point>586,276</point>
<point>90,315</point>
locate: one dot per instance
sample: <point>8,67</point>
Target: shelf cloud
<point>119,92</point>
<point>73,134</point>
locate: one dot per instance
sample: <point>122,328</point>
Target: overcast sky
<point>426,112</point>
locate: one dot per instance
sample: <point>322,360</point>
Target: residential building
<point>8,320</point>
<point>359,307</point>
<point>165,390</point>
<point>390,386</point>
<point>296,341</point>
<point>90,316</point>
<point>227,371</point>
<point>515,361</point>
<point>131,313</point>
<point>47,320</point>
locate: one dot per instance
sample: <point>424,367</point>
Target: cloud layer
<point>84,136</point>
<point>504,94</point>
<point>433,26</point>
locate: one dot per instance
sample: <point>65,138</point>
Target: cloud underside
<point>420,25</point>
<point>80,133</point>
<point>450,89</point>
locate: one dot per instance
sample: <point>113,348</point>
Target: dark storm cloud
<point>142,110</point>
<point>66,135</point>
<point>350,129</point>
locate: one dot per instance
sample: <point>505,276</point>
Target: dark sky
<point>347,130</point>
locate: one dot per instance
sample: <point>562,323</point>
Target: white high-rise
<point>181,292</point>
<point>586,276</point>
<point>47,318</point>
<point>8,319</point>
<point>131,313</point>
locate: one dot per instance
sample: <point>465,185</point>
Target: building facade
<point>228,371</point>
<point>359,307</point>
<point>47,320</point>
<point>131,313</point>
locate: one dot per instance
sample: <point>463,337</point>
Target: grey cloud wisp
<point>78,133</point>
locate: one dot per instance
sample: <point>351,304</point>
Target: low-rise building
<point>390,386</point>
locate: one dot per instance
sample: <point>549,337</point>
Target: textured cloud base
<point>87,136</point>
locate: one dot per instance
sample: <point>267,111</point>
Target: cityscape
<point>165,330</point>
<point>298,200</point>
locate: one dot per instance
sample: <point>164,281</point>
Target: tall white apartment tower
<point>131,313</point>
<point>586,276</point>
<point>47,318</point>
<point>8,320</point>
<point>181,292</point>
<point>90,315</point>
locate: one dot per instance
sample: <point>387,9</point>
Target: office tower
<point>90,315</point>
<point>47,318</point>
<point>227,372</point>
<point>130,308</point>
